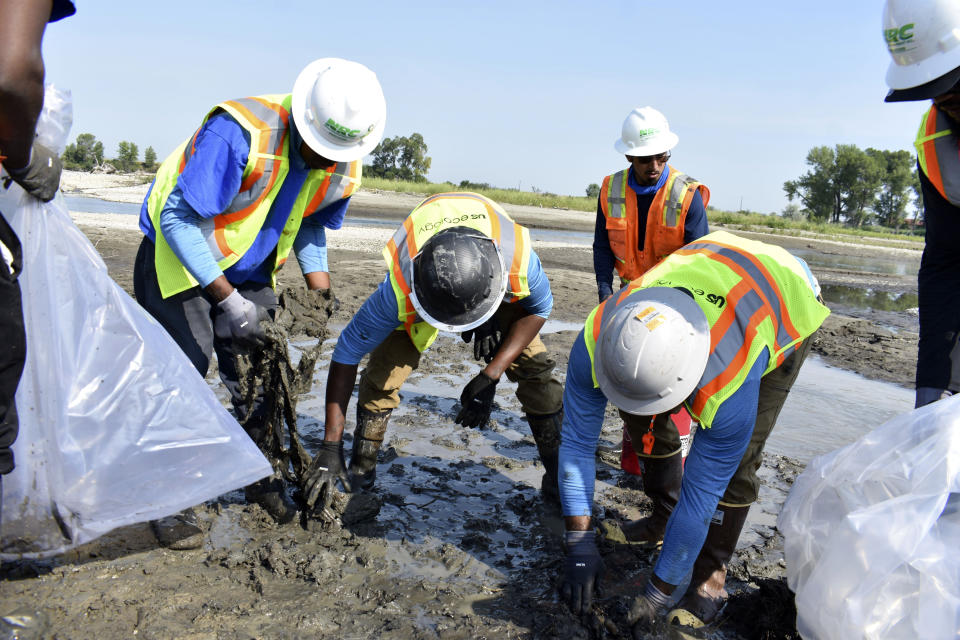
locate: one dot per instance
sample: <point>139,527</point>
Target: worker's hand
<point>644,615</point>
<point>239,318</point>
<point>41,177</point>
<point>581,571</point>
<point>319,482</point>
<point>476,401</point>
<point>486,339</point>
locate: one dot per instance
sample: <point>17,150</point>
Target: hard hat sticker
<point>651,318</point>
<point>656,322</point>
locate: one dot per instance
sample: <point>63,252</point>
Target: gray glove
<point>41,177</point>
<point>238,318</point>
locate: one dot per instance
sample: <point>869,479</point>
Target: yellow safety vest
<point>755,295</point>
<point>232,232</point>
<point>440,212</point>
<point>938,153</point>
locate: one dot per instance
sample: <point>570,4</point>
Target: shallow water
<point>95,205</point>
<point>867,298</point>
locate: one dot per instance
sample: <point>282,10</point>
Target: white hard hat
<point>652,352</point>
<point>923,37</point>
<point>645,133</point>
<point>339,109</point>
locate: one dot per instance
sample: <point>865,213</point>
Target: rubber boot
<point>546,433</point>
<point>180,532</point>
<point>706,596</point>
<point>270,494</point>
<point>661,483</point>
<point>367,438</point>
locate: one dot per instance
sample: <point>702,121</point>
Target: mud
<point>452,542</point>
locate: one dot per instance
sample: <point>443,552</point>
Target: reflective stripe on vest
<point>440,212</point>
<point>938,153</point>
<point>231,233</point>
<point>665,220</point>
<point>754,295</point>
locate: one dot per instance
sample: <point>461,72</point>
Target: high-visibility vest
<point>231,233</point>
<point>938,152</point>
<point>440,212</point>
<point>665,220</point>
<point>753,294</point>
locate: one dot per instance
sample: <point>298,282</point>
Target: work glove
<point>41,177</point>
<point>486,339</point>
<point>476,401</point>
<point>581,571</point>
<point>239,318</point>
<point>321,477</point>
<point>644,615</point>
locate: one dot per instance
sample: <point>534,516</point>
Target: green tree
<point>593,190</point>
<point>85,154</point>
<point>841,185</point>
<point>401,158</point>
<point>896,190</point>
<point>149,158</point>
<point>127,154</point>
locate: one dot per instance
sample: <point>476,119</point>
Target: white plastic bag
<point>872,532</point>
<point>116,425</point>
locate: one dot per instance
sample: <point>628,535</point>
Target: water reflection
<point>866,298</point>
<point>898,265</point>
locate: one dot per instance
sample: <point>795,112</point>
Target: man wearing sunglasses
<point>644,213</point>
<point>920,35</point>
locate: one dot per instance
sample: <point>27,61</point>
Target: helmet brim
<point>694,366</point>
<point>926,91</point>
<point>299,104</point>
<point>663,142</point>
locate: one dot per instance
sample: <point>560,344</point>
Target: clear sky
<point>517,94</point>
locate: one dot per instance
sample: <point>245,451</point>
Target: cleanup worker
<point>224,211</point>
<point>921,37</point>
<point>32,166</point>
<point>644,213</point>
<point>458,263</point>
<point>722,327</point>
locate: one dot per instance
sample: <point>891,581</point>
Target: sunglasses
<point>660,157</point>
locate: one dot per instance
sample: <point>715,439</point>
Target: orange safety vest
<point>665,220</point>
<point>938,153</point>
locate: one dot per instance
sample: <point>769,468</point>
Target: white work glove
<point>238,318</point>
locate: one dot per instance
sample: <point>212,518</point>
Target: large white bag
<point>116,425</point>
<point>872,532</point>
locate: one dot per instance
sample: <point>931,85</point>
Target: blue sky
<point>517,94</point>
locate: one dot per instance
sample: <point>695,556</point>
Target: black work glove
<point>581,571</point>
<point>41,177</point>
<point>486,339</point>
<point>644,615</point>
<point>321,477</point>
<point>476,401</point>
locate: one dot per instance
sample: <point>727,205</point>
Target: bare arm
<point>22,23</point>
<point>340,381</point>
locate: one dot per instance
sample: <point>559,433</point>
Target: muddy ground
<point>453,541</point>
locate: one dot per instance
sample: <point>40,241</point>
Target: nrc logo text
<point>899,36</point>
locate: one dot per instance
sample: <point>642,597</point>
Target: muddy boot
<point>270,494</point>
<point>661,483</point>
<point>546,433</point>
<point>180,531</point>
<point>706,596</point>
<point>371,427</point>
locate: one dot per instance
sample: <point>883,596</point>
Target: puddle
<point>95,205</point>
<point>893,265</point>
<point>866,298</point>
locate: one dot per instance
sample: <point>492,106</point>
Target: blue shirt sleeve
<point>310,245</point>
<point>371,325</point>
<point>332,215</point>
<point>714,457</point>
<point>695,225</point>
<point>213,174</point>
<point>603,259</point>
<point>540,300</point>
<point>583,409</point>
<point>180,225</point>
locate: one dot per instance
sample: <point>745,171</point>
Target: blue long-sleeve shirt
<point>210,181</point>
<point>378,315</point>
<point>604,262</point>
